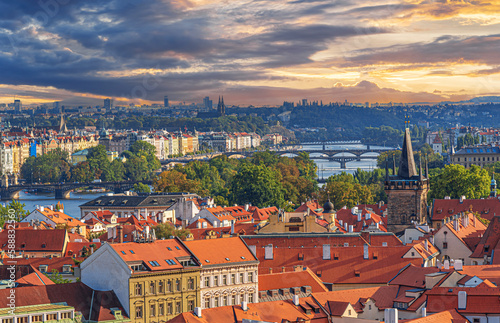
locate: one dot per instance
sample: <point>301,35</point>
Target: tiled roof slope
<point>77,295</point>
<point>34,241</point>
<point>489,241</point>
<point>442,208</point>
<point>413,276</point>
<point>451,316</point>
<point>480,300</point>
<point>220,251</point>
<point>291,279</point>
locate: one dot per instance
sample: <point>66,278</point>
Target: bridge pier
<point>62,194</point>
<point>367,146</point>
<point>343,164</point>
<point>7,195</point>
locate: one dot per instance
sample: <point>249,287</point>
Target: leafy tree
<point>259,184</point>
<point>51,167</point>
<point>175,181</point>
<point>18,214</point>
<point>141,188</point>
<point>141,161</point>
<point>57,278</point>
<point>98,162</point>
<point>82,173</point>
<point>346,194</point>
<point>456,180</point>
<point>167,230</point>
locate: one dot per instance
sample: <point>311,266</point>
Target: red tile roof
<point>490,272</point>
<point>382,296</point>
<point>445,208</point>
<point>346,266</point>
<point>291,279</point>
<point>78,295</point>
<point>75,248</point>
<point>480,300</point>
<point>155,254</point>
<point>239,229</point>
<point>36,278</point>
<point>451,316</point>
<point>56,263</point>
<point>220,251</point>
<point>489,241</point>
<point>346,216</point>
<point>43,240</point>
<point>262,214</point>
<point>413,276</point>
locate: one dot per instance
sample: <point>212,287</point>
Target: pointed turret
<point>407,162</point>
<point>420,171</point>
<point>62,124</point>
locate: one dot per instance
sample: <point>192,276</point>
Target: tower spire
<point>420,171</point>
<point>407,162</point>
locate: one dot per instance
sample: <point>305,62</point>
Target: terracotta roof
<point>61,218</point>
<point>78,295</point>
<point>379,209</point>
<point>153,255</point>
<point>76,236</point>
<point>239,229</point>
<point>471,231</point>
<point>346,216</point>
<point>220,251</point>
<point>74,248</point>
<point>451,316</point>
<point>291,279</point>
<point>239,213</point>
<point>56,263</point>
<point>262,214</point>
<point>43,240</point>
<point>36,278</point>
<point>420,248</point>
<point>490,272</point>
<point>382,296</point>
<point>442,208</point>
<point>346,265</point>
<point>480,300</point>
<point>413,276</point>
<point>489,241</point>
<point>337,308</point>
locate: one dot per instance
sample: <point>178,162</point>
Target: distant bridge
<point>63,190</point>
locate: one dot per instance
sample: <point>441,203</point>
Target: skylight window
<point>170,261</point>
<point>132,252</point>
<point>169,248</point>
<point>176,247</point>
<point>123,252</point>
<point>227,259</point>
<point>207,260</point>
<point>154,263</point>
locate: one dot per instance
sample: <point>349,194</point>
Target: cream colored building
<point>228,273</point>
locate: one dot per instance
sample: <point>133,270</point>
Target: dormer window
<point>44,245</point>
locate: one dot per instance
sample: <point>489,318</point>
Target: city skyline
<point>252,52</point>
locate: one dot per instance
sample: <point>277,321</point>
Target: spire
<point>420,171</point>
<point>62,124</point>
<point>393,164</point>
<point>407,162</point>
<point>426,167</point>
<point>387,169</point>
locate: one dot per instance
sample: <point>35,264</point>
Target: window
<point>477,320</point>
<point>207,281</point>
<point>233,299</point>
<point>8,320</point>
<point>138,312</point>
<point>169,309</point>
<point>169,285</point>
<point>207,302</point>
<point>152,288</point>
<point>250,297</point>
<point>445,245</point>
<point>178,285</point>
<point>65,315</point>
<point>177,307</point>
<point>23,319</point>
<point>190,305</point>
<point>233,279</point>
<point>369,307</point>
<point>138,289</point>
<point>224,300</point>
<point>152,309</point>
<point>350,312</point>
<point>250,277</point>
<point>216,280</point>
<point>216,301</point>
<point>224,280</point>
<point>190,284</point>
<point>36,318</point>
<point>161,287</point>
<point>242,278</point>
<point>242,297</point>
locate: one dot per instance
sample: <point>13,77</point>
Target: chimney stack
<point>365,251</point>
<point>351,228</point>
<point>244,306</point>
<point>424,311</point>
<point>446,264</point>
<point>391,315</point>
<point>197,311</point>
<point>296,300</point>
<point>458,264</point>
<point>462,300</point>
<point>120,233</point>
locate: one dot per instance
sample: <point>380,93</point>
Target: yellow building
<point>155,281</point>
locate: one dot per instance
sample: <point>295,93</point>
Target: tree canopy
<point>456,181</point>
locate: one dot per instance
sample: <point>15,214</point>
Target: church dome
<point>328,207</point>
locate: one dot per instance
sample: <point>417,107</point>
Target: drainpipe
<point>91,303</point>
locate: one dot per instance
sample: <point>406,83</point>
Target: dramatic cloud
<point>133,50</point>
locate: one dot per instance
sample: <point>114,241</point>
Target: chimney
<point>458,264</point>
<point>120,234</point>
<point>270,270</point>
<point>368,216</point>
<point>351,228</point>
<point>296,300</point>
<point>244,306</point>
<point>359,216</point>
<point>341,222</point>
<point>455,225</point>
<point>232,227</point>
<point>424,311</point>
<point>474,222</point>
<point>446,264</point>
<point>326,252</point>
<point>246,207</point>
<point>283,269</point>
<point>462,300</point>
<point>426,243</point>
<point>391,315</point>
<point>365,251</point>
<point>346,226</point>
<point>462,198</point>
<point>197,311</point>
<point>41,208</point>
<point>432,240</point>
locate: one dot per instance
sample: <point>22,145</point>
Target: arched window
<point>138,289</point>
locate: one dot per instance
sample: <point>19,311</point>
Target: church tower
<point>406,191</point>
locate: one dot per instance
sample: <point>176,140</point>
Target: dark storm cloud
<point>476,49</point>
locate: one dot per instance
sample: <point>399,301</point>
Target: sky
<point>259,52</point>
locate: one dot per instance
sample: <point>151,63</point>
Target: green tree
<point>141,188</point>
<point>51,167</point>
<point>456,181</point>
<point>82,173</point>
<point>17,215</point>
<point>57,278</point>
<point>259,185</point>
<point>141,161</point>
<point>98,161</point>
<point>167,230</point>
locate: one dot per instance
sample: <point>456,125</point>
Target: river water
<point>325,169</point>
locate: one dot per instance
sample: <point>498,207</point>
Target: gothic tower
<point>221,108</point>
<point>406,192</point>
